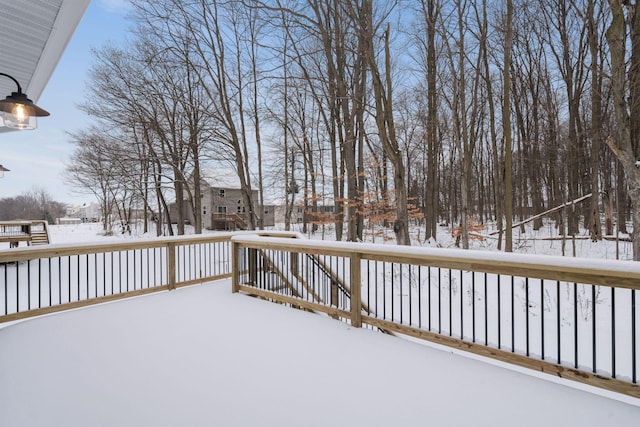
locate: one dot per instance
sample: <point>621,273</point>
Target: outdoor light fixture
<point>18,111</point>
<point>2,171</point>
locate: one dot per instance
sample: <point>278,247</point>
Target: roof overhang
<point>34,35</point>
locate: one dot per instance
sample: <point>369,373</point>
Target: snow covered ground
<point>529,242</point>
<point>204,356</point>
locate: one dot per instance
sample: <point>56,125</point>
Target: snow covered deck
<point>204,356</point>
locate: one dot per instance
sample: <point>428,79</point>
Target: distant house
<point>300,213</point>
<point>222,202</point>
<point>68,221</point>
<point>86,213</point>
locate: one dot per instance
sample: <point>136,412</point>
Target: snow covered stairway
<point>39,233</point>
<point>307,277</point>
<point>342,286</point>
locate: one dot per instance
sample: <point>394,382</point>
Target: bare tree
<point>430,9</point>
<point>623,144</point>
<point>384,111</point>
<point>506,126</point>
<point>91,168</point>
<point>34,204</point>
<point>478,112</point>
<point>595,227</point>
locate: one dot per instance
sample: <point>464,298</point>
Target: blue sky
<point>36,158</point>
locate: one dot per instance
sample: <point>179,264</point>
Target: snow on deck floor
<point>202,356</point>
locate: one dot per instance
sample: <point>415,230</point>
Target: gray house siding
<point>223,209</point>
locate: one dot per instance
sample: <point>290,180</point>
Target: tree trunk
<point>623,148</point>
<point>595,227</point>
<point>383,94</point>
<point>430,13</point>
<point>506,124</point>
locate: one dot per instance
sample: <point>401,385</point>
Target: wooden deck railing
<point>572,318</point>
<point>31,232</point>
<point>46,279</point>
<point>35,281</point>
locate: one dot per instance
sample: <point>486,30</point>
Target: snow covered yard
<point>204,356</point>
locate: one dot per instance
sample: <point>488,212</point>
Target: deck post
<point>252,258</point>
<point>171,265</point>
<point>293,257</point>
<point>235,267</point>
<point>355,285</point>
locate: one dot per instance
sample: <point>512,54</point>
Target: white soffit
<point>34,35</point>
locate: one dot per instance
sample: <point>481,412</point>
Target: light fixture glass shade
<point>20,117</point>
<point>19,112</point>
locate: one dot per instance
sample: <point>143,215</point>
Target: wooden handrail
<point>570,273</point>
<point>173,258</point>
<point>621,274</point>
<point>11,257</point>
<point>618,274</point>
<point>55,250</point>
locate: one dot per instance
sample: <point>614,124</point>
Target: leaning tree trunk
<point>623,147</point>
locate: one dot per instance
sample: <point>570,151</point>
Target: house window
<point>239,209</point>
<point>204,210</point>
<point>266,211</point>
<point>222,209</point>
<point>221,192</point>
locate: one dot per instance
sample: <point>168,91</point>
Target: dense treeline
<point>32,205</point>
<point>401,112</point>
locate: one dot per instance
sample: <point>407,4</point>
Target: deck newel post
<point>356,285</point>
<point>294,263</point>
<point>171,265</point>
<point>235,267</point>
<point>252,256</point>
<point>334,293</point>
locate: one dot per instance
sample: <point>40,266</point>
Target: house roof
<point>34,36</point>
